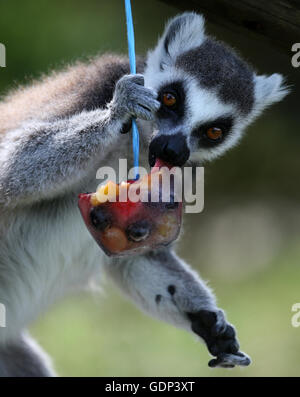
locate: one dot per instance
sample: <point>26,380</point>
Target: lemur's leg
<point>46,159</point>
<point>164,286</point>
<point>24,358</point>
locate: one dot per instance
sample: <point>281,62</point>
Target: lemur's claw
<point>226,360</point>
<point>220,338</point>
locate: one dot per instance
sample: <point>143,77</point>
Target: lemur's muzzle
<point>173,149</point>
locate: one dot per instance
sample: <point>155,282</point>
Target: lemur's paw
<point>220,338</point>
<point>135,99</point>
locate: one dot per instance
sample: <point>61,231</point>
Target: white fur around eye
<point>204,105</point>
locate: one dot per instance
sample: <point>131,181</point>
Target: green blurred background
<point>246,242</point>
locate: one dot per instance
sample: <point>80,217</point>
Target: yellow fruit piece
<point>94,200</point>
<point>100,195</point>
<point>108,192</point>
<point>168,224</point>
<point>114,240</point>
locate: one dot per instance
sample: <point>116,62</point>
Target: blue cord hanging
<point>132,62</point>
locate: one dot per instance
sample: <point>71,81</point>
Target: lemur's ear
<point>182,33</point>
<point>185,31</point>
<point>268,90</point>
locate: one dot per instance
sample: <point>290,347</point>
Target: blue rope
<point>132,62</point>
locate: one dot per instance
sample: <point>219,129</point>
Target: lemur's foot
<point>220,338</point>
<point>132,98</point>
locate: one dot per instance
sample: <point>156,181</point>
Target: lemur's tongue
<point>131,226</point>
<point>160,163</point>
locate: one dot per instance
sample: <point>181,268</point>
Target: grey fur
<point>55,134</point>
<point>24,358</point>
<point>143,277</point>
<point>86,134</point>
<point>217,67</point>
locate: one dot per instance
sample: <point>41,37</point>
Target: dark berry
<point>100,219</point>
<point>138,231</point>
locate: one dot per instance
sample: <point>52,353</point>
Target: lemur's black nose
<point>173,149</point>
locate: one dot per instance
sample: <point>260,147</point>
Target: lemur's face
<point>208,94</point>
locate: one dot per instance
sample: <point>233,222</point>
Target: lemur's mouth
<point>133,217</point>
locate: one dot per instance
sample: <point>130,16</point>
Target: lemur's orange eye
<point>169,99</point>
<point>214,133</point>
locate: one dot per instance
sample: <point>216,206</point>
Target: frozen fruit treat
<point>134,216</point>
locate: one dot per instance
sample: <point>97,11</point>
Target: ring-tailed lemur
<point>57,132</point>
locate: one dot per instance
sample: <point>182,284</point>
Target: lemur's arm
<point>164,286</point>
<point>46,159</point>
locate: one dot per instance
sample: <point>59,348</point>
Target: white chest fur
<point>45,253</point>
